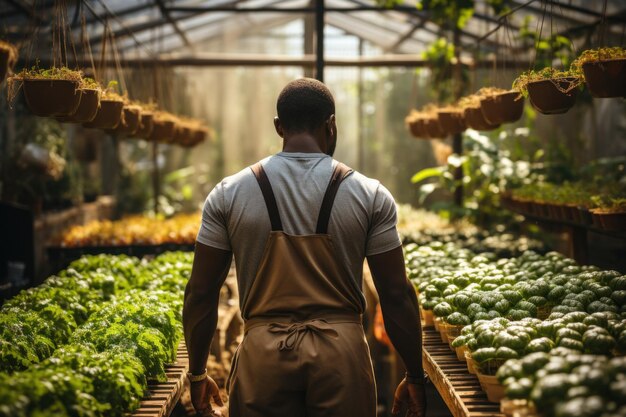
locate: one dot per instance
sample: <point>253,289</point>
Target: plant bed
<point>604,70</point>
<point>8,57</point>
<point>502,108</point>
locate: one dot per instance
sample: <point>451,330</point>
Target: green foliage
<point>129,325</point>
<point>547,48</point>
<point>521,82</point>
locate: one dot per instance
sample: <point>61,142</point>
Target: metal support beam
<point>166,15</point>
<point>407,35</point>
<point>319,39</point>
<point>230,60</point>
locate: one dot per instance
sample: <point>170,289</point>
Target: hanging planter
<point>89,103</point>
<point>433,128</point>
<point>145,126</point>
<point>452,120</point>
<point>472,111</point>
<point>164,126</point>
<point>502,107</point>
<point>110,113</point>
<point>8,58</point>
<point>50,92</point>
<point>130,121</point>
<point>604,70</point>
<point>550,91</point>
<point>416,124</point>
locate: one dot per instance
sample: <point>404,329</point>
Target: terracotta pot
<point>87,109</point>
<point>476,120</point>
<point>452,122</point>
<point>433,128</point>
<point>606,78</point>
<point>163,130</point>
<point>491,386</point>
<point>548,96</point>
<point>45,97</point>
<point>145,126</point>
<point>7,61</point>
<point>109,115</point>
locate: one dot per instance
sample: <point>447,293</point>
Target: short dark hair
<point>304,104</point>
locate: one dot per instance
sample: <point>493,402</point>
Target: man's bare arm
<point>399,306</point>
<point>210,269</point>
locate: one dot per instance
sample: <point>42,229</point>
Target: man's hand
<point>201,394</point>
<point>413,395</point>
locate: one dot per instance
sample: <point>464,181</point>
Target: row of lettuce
<point>86,341</point>
<point>552,331</point>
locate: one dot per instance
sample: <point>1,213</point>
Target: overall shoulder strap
<point>268,196</point>
<point>340,172</point>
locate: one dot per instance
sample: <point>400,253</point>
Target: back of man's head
<point>303,105</point>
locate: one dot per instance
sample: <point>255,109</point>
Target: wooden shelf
<point>459,389</point>
<point>162,397</point>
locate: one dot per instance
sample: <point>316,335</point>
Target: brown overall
<point>304,351</point>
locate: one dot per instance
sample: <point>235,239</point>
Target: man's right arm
<point>402,324</point>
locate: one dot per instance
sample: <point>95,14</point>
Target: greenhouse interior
<point>464,166</point>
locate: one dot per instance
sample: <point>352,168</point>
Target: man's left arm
<point>210,269</point>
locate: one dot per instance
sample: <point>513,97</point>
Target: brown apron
<point>304,351</point>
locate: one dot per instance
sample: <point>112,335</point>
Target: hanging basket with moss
<point>472,109</point>
<point>145,125</point>
<point>550,91</point>
<point>604,70</point>
<point>50,92</point>
<point>130,121</point>
<point>501,106</point>
<point>8,58</point>
<point>164,127</point>
<point>451,119</point>
<point>89,103</point>
<point>416,124</point>
<point>110,113</point>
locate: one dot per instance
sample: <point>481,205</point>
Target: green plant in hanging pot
<point>49,92</point>
<point>146,122</point>
<point>501,106</point>
<point>604,70</point>
<point>109,114</point>
<point>130,121</point>
<point>8,58</point>
<point>551,91</point>
<point>89,103</point>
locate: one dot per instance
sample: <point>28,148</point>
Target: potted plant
<point>415,123</point>
<point>501,106</point>
<point>431,122</point>
<point>550,91</point>
<point>472,111</point>
<point>109,114</point>
<point>130,121</point>
<point>451,119</point>
<point>50,92</point>
<point>164,126</point>
<point>610,213</point>
<point>146,122</point>
<point>89,103</point>
<point>8,58</point>
<point>604,71</point>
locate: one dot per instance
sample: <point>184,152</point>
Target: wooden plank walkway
<point>459,389</point>
<point>163,396</point>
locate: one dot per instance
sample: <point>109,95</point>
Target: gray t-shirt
<point>362,222</point>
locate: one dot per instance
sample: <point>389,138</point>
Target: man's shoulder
<point>242,177</point>
<point>361,182</point>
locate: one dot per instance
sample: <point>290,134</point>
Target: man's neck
<point>301,142</point>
